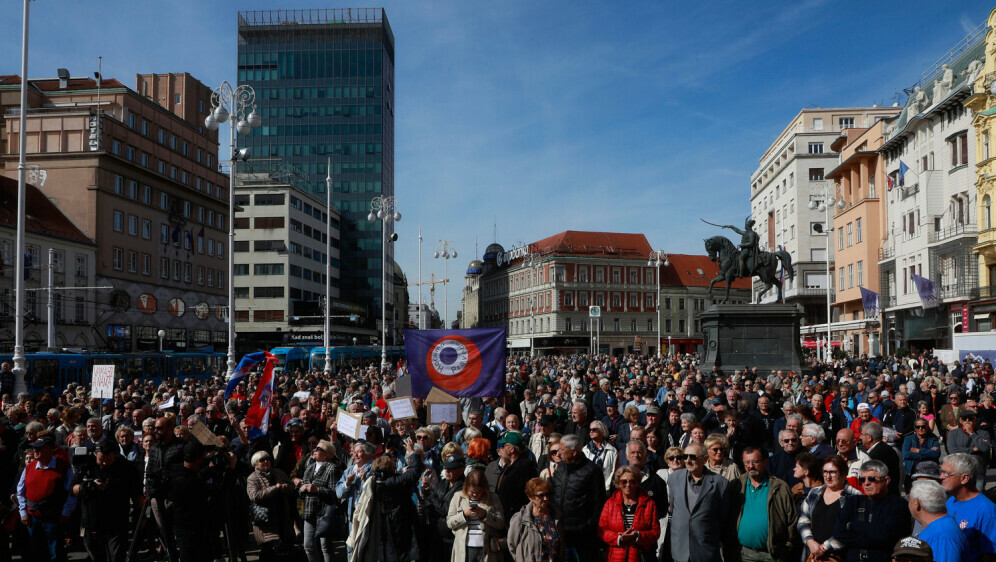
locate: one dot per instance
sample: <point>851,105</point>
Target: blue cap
<point>108,402</point>
<point>610,401</point>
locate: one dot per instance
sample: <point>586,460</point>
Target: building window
<point>132,262</point>
<point>147,229</point>
<point>118,221</point>
<point>681,303</point>
<point>667,303</point>
<point>816,148</point>
<point>817,123</point>
<point>845,122</point>
<point>164,201</point>
<point>958,145</point>
<point>81,269</point>
<point>582,274</point>
<point>615,325</point>
<point>132,225</point>
<point>985,145</point>
<point>681,325</point>
<point>987,218</point>
<point>634,300</point>
<point>164,268</point>
<point>840,239</point>
<point>616,300</point>
<point>850,234</point>
<point>616,275</point>
<point>568,298</point>
<point>841,284</point>
<point>119,183</point>
<point>146,265</point>
<point>649,304</point>
<point>188,272</point>
<point>861,274</point>
<point>816,174</point>
<point>667,325</point>
<point>857,230</point>
<point>118,257</point>
<point>599,275</point>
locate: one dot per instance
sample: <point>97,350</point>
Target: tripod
<point>133,545</point>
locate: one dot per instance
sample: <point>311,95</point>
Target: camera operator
<point>189,493</point>
<point>43,499</point>
<point>165,459</point>
<point>107,485</point>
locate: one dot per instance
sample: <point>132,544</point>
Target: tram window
<point>44,373</point>
<point>151,368</point>
<point>134,368</point>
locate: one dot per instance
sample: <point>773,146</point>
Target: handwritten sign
<point>448,413</point>
<point>103,381</point>
<point>402,408</point>
<point>348,424</point>
<point>205,435</point>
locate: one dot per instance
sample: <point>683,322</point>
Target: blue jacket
<point>930,450</point>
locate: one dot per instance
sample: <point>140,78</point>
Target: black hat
<point>912,548</point>
<point>192,451</point>
<point>547,419</point>
<point>927,469</point>
<point>453,461</point>
<point>42,441</point>
<point>965,414</point>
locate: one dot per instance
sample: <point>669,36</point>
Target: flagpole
<point>328,264</point>
<point>420,325</point>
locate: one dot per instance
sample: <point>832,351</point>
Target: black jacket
<point>876,530</point>
<point>511,485</point>
<point>883,452</point>
<point>165,460</point>
<point>436,507</point>
<point>579,492</point>
<point>106,511</point>
<point>394,501</point>
<point>900,419</point>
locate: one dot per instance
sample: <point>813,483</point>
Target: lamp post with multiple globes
<point>384,209</point>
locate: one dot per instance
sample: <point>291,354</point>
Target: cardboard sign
<point>402,408</point>
<point>102,382</point>
<point>449,413</point>
<point>348,424</point>
<point>205,435</point>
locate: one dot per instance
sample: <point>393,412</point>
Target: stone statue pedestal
<point>765,336</point>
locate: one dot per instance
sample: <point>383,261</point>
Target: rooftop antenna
<point>496,229</point>
<point>476,253</point>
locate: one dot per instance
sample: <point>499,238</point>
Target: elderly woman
<point>475,517</point>
<point>599,451</point>
<point>125,439</point>
<point>427,439</point>
<point>686,420</point>
<point>716,446</point>
<point>434,504</point>
<point>632,416</point>
<point>535,533</point>
<point>628,525</point>
<point>318,489</point>
<point>272,493</point>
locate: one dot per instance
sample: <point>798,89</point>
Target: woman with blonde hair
<point>476,519</point>
<point>716,446</point>
<point>599,451</point>
<point>632,416</point>
<point>272,493</point>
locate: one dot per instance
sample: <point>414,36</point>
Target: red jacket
<point>611,525</point>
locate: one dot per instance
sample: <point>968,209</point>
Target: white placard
<point>102,383</point>
<point>402,408</point>
<point>443,413</point>
<point>348,424</point>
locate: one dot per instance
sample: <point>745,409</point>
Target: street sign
<point>594,312</point>
<point>103,381</point>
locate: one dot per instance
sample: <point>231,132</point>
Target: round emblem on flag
<point>453,363</point>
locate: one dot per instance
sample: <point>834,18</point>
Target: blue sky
<point>535,117</point>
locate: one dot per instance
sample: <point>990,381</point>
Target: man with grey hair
<point>579,423</point>
<point>974,512</point>
<point>578,491</point>
<point>941,532</point>
<point>878,450</point>
<point>870,525</point>
<point>813,438</point>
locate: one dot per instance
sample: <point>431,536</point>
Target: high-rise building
<point>324,83</point>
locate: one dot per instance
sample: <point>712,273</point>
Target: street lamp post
<point>20,385</point>
<point>240,104</point>
<point>445,249</point>
<point>657,259</point>
<point>328,265</point>
<point>827,197</point>
<point>161,334</point>
<point>384,209</point>
<point>532,261</point>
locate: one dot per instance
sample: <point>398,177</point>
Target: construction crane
<point>432,294</point>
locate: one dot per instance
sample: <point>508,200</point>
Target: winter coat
<point>524,539</point>
<point>578,492</point>
<point>645,521</point>
<point>393,507</point>
<point>493,526</point>
<point>263,491</point>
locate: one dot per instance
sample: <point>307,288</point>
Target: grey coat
<point>524,540</point>
<point>697,533</point>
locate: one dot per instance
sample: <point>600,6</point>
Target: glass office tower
<point>324,82</point>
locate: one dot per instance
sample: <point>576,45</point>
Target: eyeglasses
<point>542,495</point>
<point>953,398</point>
<point>590,429</point>
<point>872,479</point>
<point>422,437</point>
<point>793,440</point>
<point>627,482</point>
<point>716,449</point>
<point>920,427</point>
<point>830,472</point>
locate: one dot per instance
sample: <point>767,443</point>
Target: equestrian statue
<point>746,260</point>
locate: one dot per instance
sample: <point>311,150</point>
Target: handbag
<point>325,526</point>
<point>260,514</point>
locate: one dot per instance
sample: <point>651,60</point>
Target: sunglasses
<point>872,479</point>
<point>554,451</point>
<point>590,429</point>
<point>921,427</point>
<point>676,458</point>
<point>830,472</point>
<point>421,437</point>
<point>542,495</point>
<point>793,440</point>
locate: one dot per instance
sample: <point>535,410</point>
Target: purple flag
<point>462,363</point>
<point>925,288</point>
<point>869,300</point>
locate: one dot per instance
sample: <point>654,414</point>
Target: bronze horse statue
<point>721,250</point>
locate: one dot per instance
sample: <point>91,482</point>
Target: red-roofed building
<point>543,294</point>
<point>74,259</point>
<point>136,172</point>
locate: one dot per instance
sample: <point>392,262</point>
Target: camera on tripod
<point>84,463</point>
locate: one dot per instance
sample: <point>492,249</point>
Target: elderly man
<point>760,425</point>
<point>791,422</point>
<point>579,423</point>
<point>901,418</point>
<point>783,462</point>
<point>974,512</point>
<point>579,493</point>
<point>813,438</point>
<point>864,416</point>
<point>539,439</point>
<point>699,502</point>
<point>968,438</point>
<point>870,525</point>
<point>766,515</point>
<point>43,499</point>
<point>947,417</point>
<point>516,471</point>
<point>879,450</point>
<point>926,504</point>
<point>847,447</point>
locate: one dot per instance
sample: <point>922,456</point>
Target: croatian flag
<point>258,416</point>
<point>925,288</point>
<point>462,363</point>
<point>249,361</point>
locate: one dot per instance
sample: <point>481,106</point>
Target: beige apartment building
<point>137,173</point>
<point>857,235</point>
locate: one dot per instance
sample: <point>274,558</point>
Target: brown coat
<point>281,523</point>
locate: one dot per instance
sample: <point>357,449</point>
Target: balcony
<point>810,292</point>
<point>960,291</point>
<point>953,231</point>
<point>984,293</point>
<point>886,253</point>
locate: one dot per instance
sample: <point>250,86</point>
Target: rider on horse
<point>749,246</point>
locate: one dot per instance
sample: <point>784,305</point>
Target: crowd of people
<point>582,458</point>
